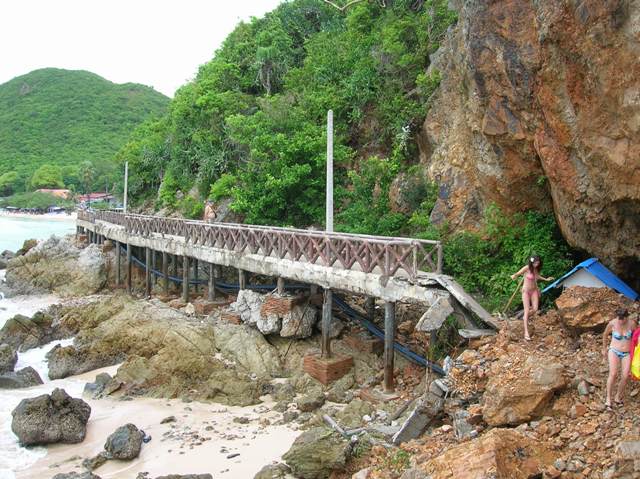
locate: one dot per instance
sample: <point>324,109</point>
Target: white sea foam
<point>13,457</point>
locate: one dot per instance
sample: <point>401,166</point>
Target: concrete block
<point>426,410</point>
<point>436,315</point>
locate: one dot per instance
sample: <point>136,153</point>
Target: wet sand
<point>199,441</point>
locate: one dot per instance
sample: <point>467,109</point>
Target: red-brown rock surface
<point>539,107</point>
<point>583,309</point>
<point>500,454</point>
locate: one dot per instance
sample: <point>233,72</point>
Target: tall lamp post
<point>328,294</point>
<point>126,181</point>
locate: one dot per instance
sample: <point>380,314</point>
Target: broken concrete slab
<point>436,315</point>
<point>427,409</point>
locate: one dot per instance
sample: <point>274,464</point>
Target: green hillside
<point>74,121</point>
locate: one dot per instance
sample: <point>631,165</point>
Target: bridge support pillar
<point>280,285</point>
<point>326,323</point>
<point>214,274</point>
<point>129,268</point>
<point>174,269</point>
<point>242,279</point>
<point>118,264</point>
<point>165,273</point>
<point>185,279</point>
<point>195,275</point>
<point>154,266</point>
<point>147,271</point>
<point>370,307</point>
<point>389,337</point>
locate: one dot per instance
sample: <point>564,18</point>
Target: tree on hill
<point>8,183</point>
<point>47,176</point>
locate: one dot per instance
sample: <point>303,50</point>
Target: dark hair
<point>622,313</point>
<point>533,259</point>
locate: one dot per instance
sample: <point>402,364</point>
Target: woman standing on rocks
<point>530,291</point>
<point>621,329</point>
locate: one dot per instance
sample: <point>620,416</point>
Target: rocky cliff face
<point>539,107</point>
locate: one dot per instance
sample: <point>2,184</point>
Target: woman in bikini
<point>621,329</point>
<point>530,291</point>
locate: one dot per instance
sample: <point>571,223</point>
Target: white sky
<point>156,43</point>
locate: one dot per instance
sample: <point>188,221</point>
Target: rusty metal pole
<point>242,279</point>
<point>118,263</point>
<point>326,323</point>
<point>185,279</point>
<point>165,273</point>
<point>129,268</point>
<point>389,338</point>
<point>195,275</point>
<point>147,271</point>
<point>211,292</point>
<point>174,269</point>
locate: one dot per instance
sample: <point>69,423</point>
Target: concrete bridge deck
<point>392,269</point>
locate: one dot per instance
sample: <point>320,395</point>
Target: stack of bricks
<point>280,305</point>
<point>327,370</point>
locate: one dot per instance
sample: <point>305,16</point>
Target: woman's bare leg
<point>535,302</point>
<point>526,303</point>
<point>613,370</point>
<point>625,366</point>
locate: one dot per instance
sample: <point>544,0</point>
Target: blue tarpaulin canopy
<point>593,273</point>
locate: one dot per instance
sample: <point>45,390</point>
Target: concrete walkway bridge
<point>390,269</point>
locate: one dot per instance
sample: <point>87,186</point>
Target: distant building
<point>593,274</point>
<point>96,197</point>
<point>58,193</point>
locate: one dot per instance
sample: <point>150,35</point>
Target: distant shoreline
<point>43,216</point>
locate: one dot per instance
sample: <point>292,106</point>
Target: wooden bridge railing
<point>389,256</point>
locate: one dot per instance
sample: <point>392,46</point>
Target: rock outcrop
<point>50,419</point>
<point>316,453</point>
<point>58,265</point>
<point>501,453</point>
<point>125,443</point>
<point>8,358</point>
<point>287,316</point>
<point>23,378</point>
<point>524,118</point>
<point>23,333</point>
<point>520,394</point>
<point>589,309</point>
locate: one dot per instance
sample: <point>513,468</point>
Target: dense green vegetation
<point>55,125</point>
<point>256,112</point>
<point>35,199</point>
<point>251,127</point>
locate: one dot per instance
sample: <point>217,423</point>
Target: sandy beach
<point>45,216</point>
<point>203,439</point>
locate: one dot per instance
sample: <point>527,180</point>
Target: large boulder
<point>316,453</point>
<point>50,419</point>
<point>58,265</point>
<point>518,393</point>
<point>287,316</point>
<point>8,358</point>
<point>523,119</point>
<point>248,348</point>
<point>125,443</point>
<point>589,309</point>
<point>23,333</point>
<point>23,378</point>
<point>499,454</point>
